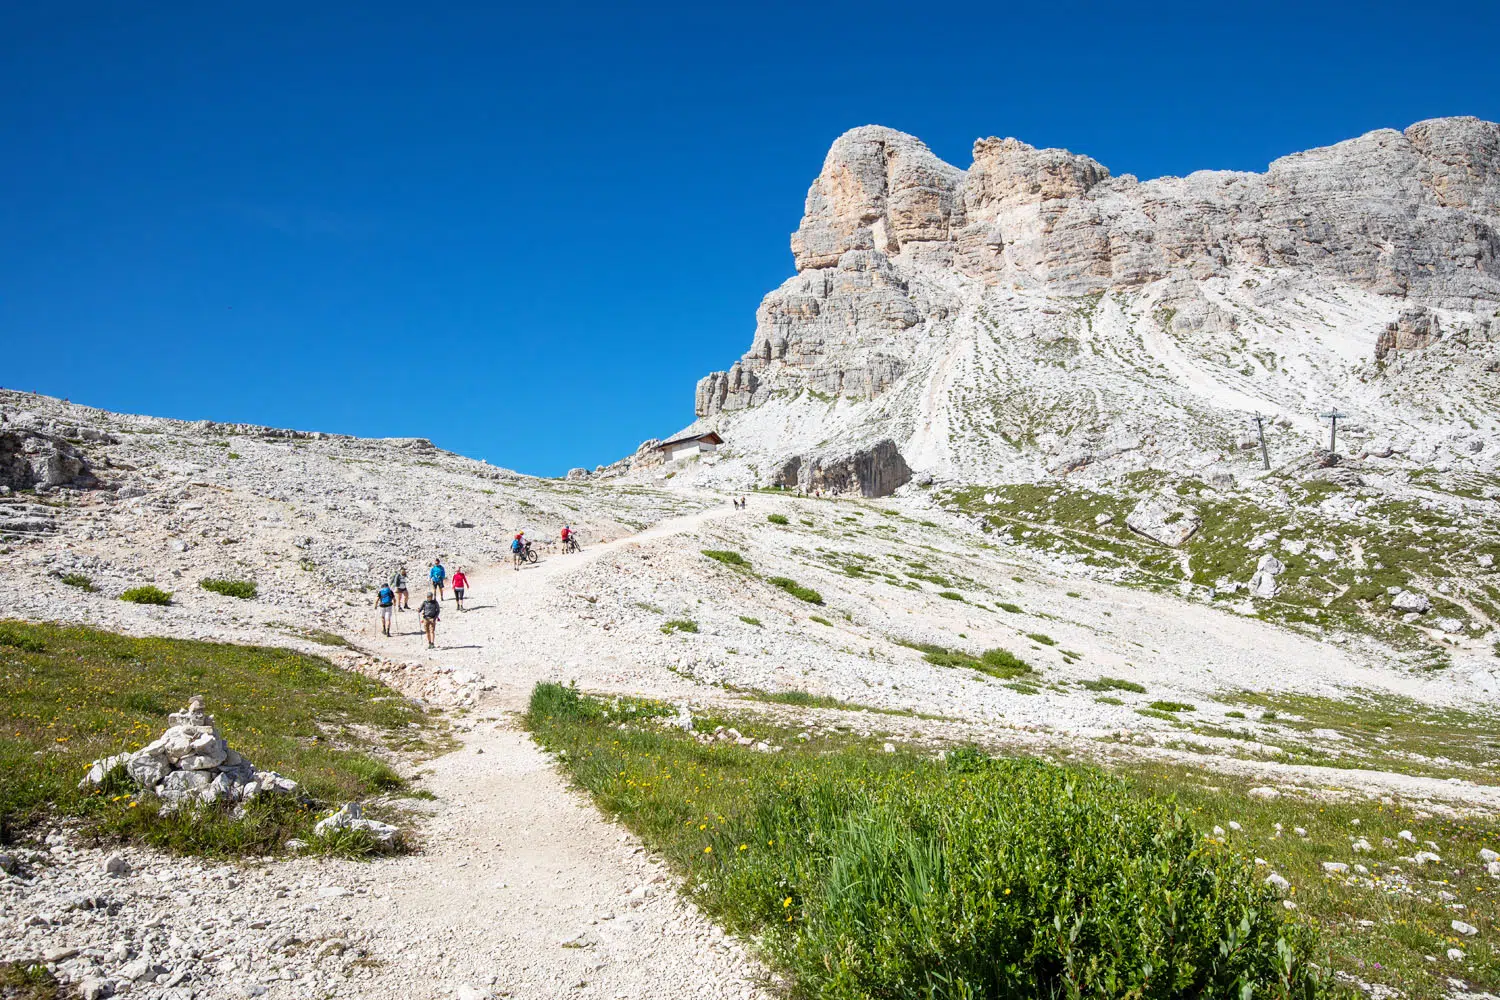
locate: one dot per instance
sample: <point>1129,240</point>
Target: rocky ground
<point>520,887</point>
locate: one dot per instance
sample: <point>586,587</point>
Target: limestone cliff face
<point>901,258</point>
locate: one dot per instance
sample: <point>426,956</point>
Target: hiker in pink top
<point>460,584</point>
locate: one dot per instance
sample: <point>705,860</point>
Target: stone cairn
<point>191,763</point>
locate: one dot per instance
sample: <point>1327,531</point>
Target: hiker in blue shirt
<point>439,578</point>
<point>385,600</point>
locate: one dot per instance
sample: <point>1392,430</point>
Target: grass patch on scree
<point>71,695</point>
<point>243,589</point>
<point>864,875</point>
<point>728,557</point>
<point>147,595</point>
<point>796,589</point>
<point>999,663</point>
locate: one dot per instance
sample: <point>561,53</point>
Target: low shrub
<point>1003,663</point>
<point>894,876</point>
<point>679,625</point>
<point>1234,715</point>
<point>750,621</point>
<point>1105,699</point>
<point>147,595</point>
<point>951,595</point>
<point>820,620</point>
<point>995,662</point>
<point>1172,706</point>
<point>777,518</point>
<point>1045,640</point>
<point>1112,684</point>
<point>243,589</point>
<point>17,639</point>
<point>80,581</point>
<point>796,589</point>
<point>1014,609</point>
<point>727,557</point>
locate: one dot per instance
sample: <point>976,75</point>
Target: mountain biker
<point>385,600</point>
<point>403,600</point>
<point>439,577</point>
<point>460,584</point>
<point>567,537</point>
<point>430,611</point>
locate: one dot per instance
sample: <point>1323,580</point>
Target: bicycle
<point>571,545</point>
<point>526,554</point>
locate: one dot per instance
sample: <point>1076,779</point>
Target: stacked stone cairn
<point>191,763</point>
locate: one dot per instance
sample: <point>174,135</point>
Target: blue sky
<point>526,233</point>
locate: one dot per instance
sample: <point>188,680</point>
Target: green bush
<point>951,595</point>
<point>750,621</point>
<point>1112,684</point>
<point>776,518</point>
<point>820,620</point>
<point>1045,640</point>
<point>1172,706</point>
<point>17,639</point>
<point>1014,609</point>
<point>727,557</point>
<point>1003,663</point>
<point>147,595</point>
<point>243,589</point>
<point>894,876</point>
<point>80,581</point>
<point>679,625</point>
<point>796,589</point>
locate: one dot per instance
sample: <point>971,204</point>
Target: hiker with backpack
<point>385,600</point>
<point>403,599</point>
<point>460,584</point>
<point>439,577</point>
<point>430,611</point>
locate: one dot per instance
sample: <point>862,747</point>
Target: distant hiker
<point>439,578</point>
<point>460,584</point>
<point>430,611</point>
<point>403,600</point>
<point>385,600</point>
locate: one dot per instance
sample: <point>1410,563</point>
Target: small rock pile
<point>191,762</point>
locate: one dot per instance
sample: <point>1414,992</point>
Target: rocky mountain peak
<point>1031,312</point>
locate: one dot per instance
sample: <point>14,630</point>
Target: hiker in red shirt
<point>460,584</point>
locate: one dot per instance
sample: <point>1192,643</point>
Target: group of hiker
<point>395,594</point>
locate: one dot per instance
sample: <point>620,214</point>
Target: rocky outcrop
<point>1038,305</point>
<point>874,471</point>
<point>1164,521</point>
<point>31,459</point>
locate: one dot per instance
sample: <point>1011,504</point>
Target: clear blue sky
<point>525,231</point>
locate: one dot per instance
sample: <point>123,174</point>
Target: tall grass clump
<point>78,580</point>
<point>243,589</point>
<point>777,518</point>
<point>796,589</point>
<point>147,595</point>
<point>866,875</point>
<point>728,557</point>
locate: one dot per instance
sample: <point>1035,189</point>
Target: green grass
<point>994,662</point>
<point>727,557</point>
<point>29,981</point>
<point>679,625</point>
<point>951,595</point>
<point>1172,706</point>
<point>80,581</point>
<point>796,589</point>
<point>862,875</point>
<point>820,620</point>
<point>1112,684</point>
<point>1014,609</point>
<point>87,694</point>
<point>243,589</point>
<point>1105,699</point>
<point>147,595</point>
<point>1045,640</point>
<point>750,621</point>
<point>777,518</point>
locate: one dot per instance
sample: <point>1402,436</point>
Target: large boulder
<point>1163,520</point>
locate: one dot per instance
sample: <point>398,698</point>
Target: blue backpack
<point>515,545</point>
<point>386,597</point>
